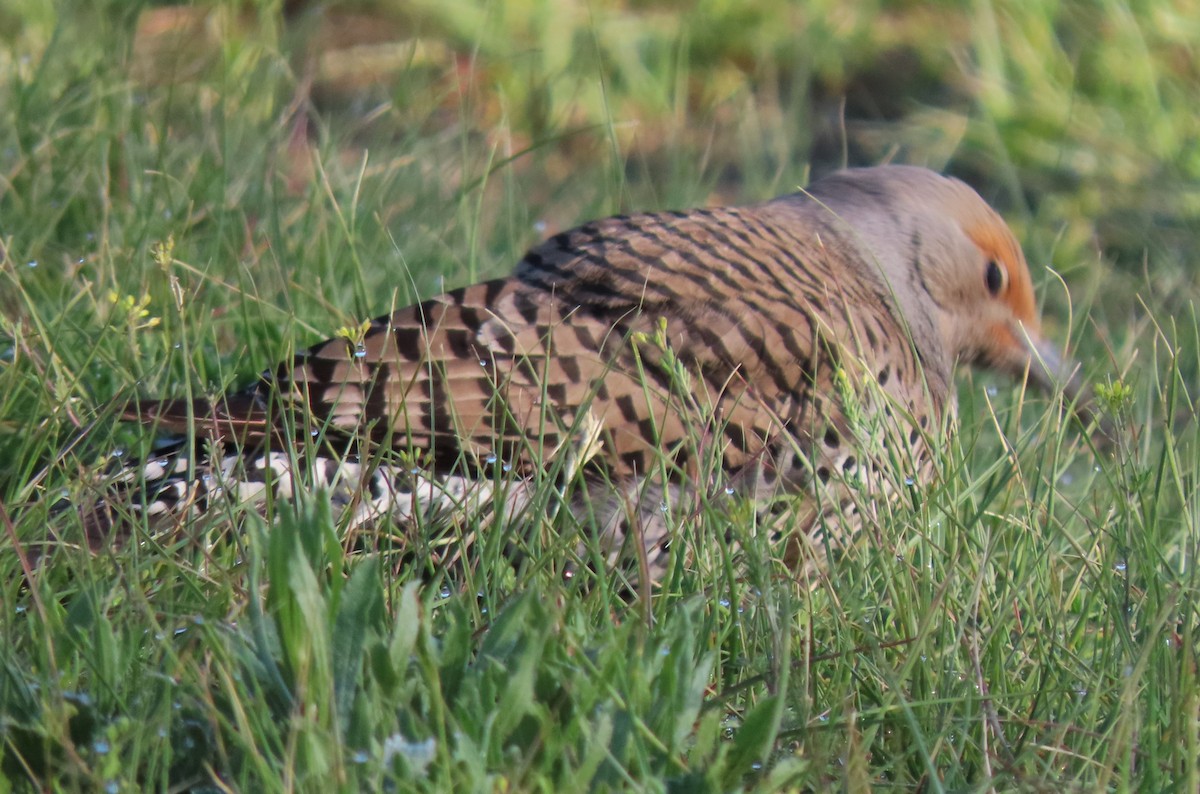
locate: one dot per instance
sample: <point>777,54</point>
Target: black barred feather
<point>765,332</point>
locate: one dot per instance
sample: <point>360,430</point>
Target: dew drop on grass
<point>729,490</point>
<point>417,755</point>
<point>491,458</point>
<point>101,747</point>
<point>117,453</point>
<point>507,467</point>
<point>724,602</point>
<point>111,787</point>
<point>360,350</point>
<point>31,263</point>
<point>445,591</point>
<point>992,391</point>
<point>20,610</point>
<point>1120,566</point>
<point>360,757</point>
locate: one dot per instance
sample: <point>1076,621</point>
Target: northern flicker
<point>768,335</point>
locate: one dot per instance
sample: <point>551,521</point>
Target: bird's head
<point>995,321</point>
<point>955,268</point>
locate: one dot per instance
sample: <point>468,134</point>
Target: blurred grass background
<point>188,193</point>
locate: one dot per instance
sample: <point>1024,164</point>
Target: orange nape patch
<point>997,242</point>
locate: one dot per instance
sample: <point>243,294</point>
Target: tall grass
<point>184,204</point>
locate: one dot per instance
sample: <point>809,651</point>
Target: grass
<point>187,196</point>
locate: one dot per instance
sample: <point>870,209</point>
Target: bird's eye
<point>994,278</point>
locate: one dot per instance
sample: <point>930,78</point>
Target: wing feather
<point>506,367</point>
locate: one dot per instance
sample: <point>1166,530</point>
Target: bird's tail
<point>213,479</point>
<point>181,483</point>
<point>160,491</point>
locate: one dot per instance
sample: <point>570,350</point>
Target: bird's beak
<point>1051,372</point>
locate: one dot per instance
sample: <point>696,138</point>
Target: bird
<point>794,348</point>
